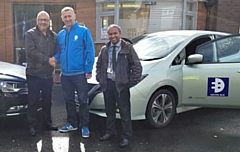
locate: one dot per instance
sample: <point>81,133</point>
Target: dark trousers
<point>77,83</point>
<point>122,99</point>
<point>35,86</point>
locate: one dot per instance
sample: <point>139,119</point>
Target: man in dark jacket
<point>40,44</point>
<point>118,69</point>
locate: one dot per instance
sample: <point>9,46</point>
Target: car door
<point>215,82</point>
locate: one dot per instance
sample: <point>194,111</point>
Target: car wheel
<point>161,108</point>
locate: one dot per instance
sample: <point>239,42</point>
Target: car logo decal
<point>218,87</point>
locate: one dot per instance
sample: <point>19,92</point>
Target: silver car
<point>182,70</point>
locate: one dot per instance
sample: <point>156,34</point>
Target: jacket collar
<point>73,26</point>
<point>49,33</point>
<point>121,42</point>
<point>118,44</point>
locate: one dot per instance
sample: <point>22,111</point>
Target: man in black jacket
<point>40,44</point>
<point>118,69</point>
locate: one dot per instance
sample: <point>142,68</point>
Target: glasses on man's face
<point>43,20</point>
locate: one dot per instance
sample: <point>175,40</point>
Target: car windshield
<point>157,47</point>
<point>137,39</point>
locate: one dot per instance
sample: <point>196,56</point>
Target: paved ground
<point>202,130</point>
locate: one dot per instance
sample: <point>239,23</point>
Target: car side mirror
<point>195,58</point>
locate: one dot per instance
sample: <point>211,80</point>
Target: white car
<point>182,70</point>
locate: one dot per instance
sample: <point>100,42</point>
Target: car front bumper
<point>12,104</point>
<point>138,103</point>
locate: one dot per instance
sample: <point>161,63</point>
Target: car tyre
<point>161,108</point>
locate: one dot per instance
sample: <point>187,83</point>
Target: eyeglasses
<point>43,20</point>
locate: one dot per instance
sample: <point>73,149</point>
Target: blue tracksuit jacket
<point>75,50</point>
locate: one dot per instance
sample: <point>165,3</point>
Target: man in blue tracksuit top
<point>76,55</point>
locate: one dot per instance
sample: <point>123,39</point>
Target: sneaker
<point>67,128</point>
<point>85,132</point>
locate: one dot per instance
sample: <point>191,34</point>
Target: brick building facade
<point>218,15</point>
<point>85,11</point>
<point>228,16</point>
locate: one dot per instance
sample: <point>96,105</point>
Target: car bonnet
<point>12,69</point>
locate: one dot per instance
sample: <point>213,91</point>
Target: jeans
<point>77,83</point>
<point>121,100</point>
<point>35,85</point>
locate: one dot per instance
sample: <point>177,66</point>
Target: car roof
<point>184,32</point>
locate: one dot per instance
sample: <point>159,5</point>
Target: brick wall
<point>2,33</point>
<point>224,16</point>
<point>201,16</point>
<point>206,17</point>
<point>88,15</point>
<point>85,11</point>
<point>228,17</point>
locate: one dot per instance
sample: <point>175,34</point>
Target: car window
<point>191,47</point>
<point>179,58</point>
<point>157,46</point>
<point>228,50</point>
<point>225,50</point>
<point>207,52</point>
<point>217,36</point>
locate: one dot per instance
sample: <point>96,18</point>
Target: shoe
<point>107,137</point>
<point>32,132</point>
<point>85,132</point>
<point>51,126</point>
<point>124,143</point>
<point>68,128</point>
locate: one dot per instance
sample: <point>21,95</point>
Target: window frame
<point>215,48</point>
<point>101,14</point>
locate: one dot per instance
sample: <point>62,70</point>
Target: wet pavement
<point>202,130</point>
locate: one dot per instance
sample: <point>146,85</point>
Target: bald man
<point>40,44</point>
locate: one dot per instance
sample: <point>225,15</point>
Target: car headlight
<point>11,87</point>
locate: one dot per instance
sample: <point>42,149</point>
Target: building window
<point>108,7</point>
<point>167,11</point>
<point>140,17</point>
<point>105,16</point>
<point>24,18</point>
<point>189,22</point>
<point>190,15</point>
<point>106,21</point>
<point>133,18</point>
<point>191,6</point>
